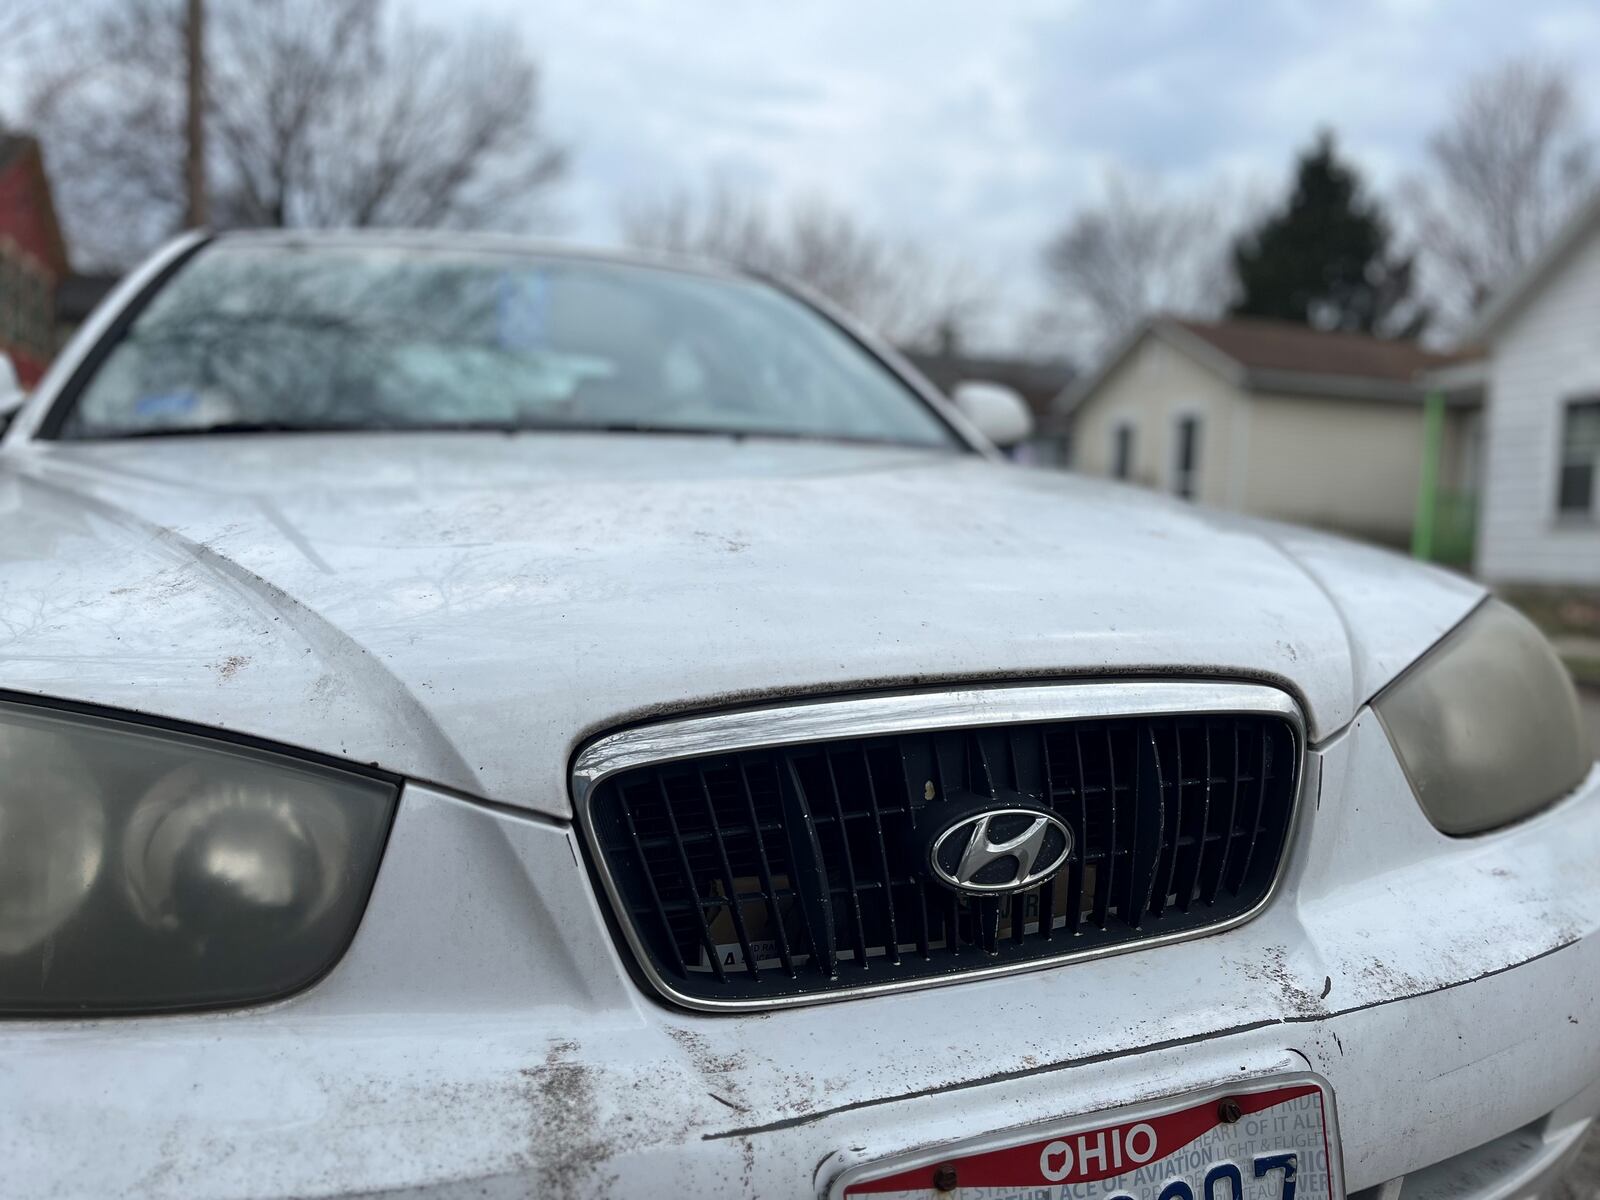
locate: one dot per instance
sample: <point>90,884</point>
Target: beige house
<point>1275,419</point>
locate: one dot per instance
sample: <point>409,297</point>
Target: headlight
<point>1487,724</point>
<point>142,870</point>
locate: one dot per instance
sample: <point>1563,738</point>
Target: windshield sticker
<point>167,404</point>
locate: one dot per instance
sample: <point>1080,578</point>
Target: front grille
<point>797,871</point>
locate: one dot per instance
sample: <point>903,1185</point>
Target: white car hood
<point>468,609</point>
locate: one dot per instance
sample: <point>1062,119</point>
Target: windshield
<point>262,337</point>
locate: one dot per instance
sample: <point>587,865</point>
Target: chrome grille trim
<point>867,716</point>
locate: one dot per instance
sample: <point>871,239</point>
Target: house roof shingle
<point>1264,345</point>
<point>1257,354</point>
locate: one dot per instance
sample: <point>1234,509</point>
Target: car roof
<point>482,243</point>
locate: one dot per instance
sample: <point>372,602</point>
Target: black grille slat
<point>1105,867</point>
<point>774,913</point>
<point>989,925</point>
<point>816,904</point>
<point>1023,751</point>
<point>814,857</point>
<point>691,886</point>
<point>735,903</point>
<point>1150,794</point>
<point>1255,812</point>
<point>1171,831</point>
<point>1047,892</point>
<point>655,896</point>
<point>1220,872</point>
<point>1189,875</point>
<point>697,837</point>
<point>952,925</point>
<point>851,889</point>
<point>893,944</point>
<point>924,942</point>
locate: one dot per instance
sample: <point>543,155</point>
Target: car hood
<point>468,609</point>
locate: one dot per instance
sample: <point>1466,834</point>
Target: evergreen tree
<point>1324,259</point>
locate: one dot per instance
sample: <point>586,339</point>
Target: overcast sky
<point>978,125</point>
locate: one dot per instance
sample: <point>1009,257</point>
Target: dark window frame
<point>1573,461</point>
<point>1186,454</point>
<point>1123,448</point>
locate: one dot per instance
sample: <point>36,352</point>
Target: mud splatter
<point>706,1060</point>
<point>1298,998</point>
<point>564,1128</point>
<point>1388,981</point>
<point>231,666</point>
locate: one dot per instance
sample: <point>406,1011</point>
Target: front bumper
<point>483,1037</point>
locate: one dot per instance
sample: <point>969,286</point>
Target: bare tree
<point>319,113</point>
<point>890,283</point>
<point>21,18</point>
<point>21,23</point>
<point>1507,168</point>
<point>1139,253</point>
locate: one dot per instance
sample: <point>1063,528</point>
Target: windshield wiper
<point>511,426</point>
<point>233,427</point>
<point>541,425</point>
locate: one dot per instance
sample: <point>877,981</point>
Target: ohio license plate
<point>1270,1139</point>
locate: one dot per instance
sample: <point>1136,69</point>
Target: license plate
<point>1270,1139</point>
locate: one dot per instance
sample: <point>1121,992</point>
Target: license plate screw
<point>944,1177</point>
<point>1229,1111</point>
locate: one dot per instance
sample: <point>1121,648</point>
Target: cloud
<point>978,128</point>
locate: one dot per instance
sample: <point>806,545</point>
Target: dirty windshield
<point>259,337</point>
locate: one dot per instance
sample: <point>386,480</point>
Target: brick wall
<point>32,259</point>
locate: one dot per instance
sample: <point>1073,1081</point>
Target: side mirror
<point>1000,414</point>
<point>11,394</point>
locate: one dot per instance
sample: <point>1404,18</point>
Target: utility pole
<point>196,212</point>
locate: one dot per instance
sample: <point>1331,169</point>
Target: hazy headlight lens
<point>1487,724</point>
<point>243,841</point>
<point>52,836</point>
<point>143,870</point>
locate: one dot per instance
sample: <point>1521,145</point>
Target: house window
<point>1580,458</point>
<point>1186,461</point>
<point>1122,452</point>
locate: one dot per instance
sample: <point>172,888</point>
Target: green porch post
<point>1423,528</point>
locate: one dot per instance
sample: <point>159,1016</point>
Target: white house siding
<point>1149,390</point>
<point>1337,463</point>
<point>1544,355</point>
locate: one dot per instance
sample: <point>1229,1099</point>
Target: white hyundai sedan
<point>477,720</point>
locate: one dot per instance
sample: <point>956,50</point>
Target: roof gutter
<point>1354,387</point>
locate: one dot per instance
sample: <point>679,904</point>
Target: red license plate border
<point>1106,1119</point>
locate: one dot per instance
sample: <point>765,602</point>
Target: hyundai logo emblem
<point>999,851</point>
